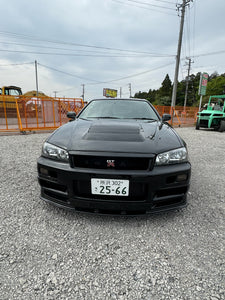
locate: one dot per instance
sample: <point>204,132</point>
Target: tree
<point>216,86</point>
<point>152,96</point>
<point>141,95</point>
<point>181,87</point>
<point>165,101</point>
<point>193,96</point>
<point>166,87</point>
<point>213,75</point>
<point>162,96</point>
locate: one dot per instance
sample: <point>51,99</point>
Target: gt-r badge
<point>110,163</point>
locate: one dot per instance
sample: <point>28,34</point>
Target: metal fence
<point>30,114</point>
<point>181,116</point>
<point>44,113</point>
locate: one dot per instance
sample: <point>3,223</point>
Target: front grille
<point>204,123</point>
<point>116,163</point>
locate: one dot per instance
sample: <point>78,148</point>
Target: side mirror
<point>71,115</point>
<point>166,117</point>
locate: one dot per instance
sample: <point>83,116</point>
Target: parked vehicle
<point>10,91</point>
<point>213,115</point>
<point>118,156</point>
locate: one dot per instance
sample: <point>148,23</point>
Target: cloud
<point>50,26</point>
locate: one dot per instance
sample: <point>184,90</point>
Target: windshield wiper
<point>141,119</point>
<point>103,117</point>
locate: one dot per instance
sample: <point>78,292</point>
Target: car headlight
<point>51,151</point>
<point>172,157</point>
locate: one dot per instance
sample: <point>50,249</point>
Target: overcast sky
<point>106,44</point>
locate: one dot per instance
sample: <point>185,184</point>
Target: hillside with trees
<point>162,96</point>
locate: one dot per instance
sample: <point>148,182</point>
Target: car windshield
<point>119,109</point>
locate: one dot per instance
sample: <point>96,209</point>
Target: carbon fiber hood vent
<point>113,132</point>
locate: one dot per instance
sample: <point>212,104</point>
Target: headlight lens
<point>55,152</point>
<point>172,157</point>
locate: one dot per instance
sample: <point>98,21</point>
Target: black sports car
<point>118,157</point>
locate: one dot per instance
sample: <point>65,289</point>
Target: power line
<point>22,36</point>
<point>84,55</point>
<point>19,64</point>
<point>54,48</point>
<point>188,32</point>
<point>134,75</point>
<point>69,74</point>
<point>149,4</point>
<point>164,1</point>
<point>70,89</point>
<point>103,82</point>
<point>142,7</point>
<point>194,24</point>
<point>66,73</point>
<point>88,51</point>
<point>210,53</point>
<point>122,78</point>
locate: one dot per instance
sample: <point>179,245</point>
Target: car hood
<point>116,136</point>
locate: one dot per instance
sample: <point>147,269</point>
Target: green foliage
<point>141,95</point>
<point>216,86</point>
<point>165,100</point>
<point>162,96</point>
<point>181,87</point>
<point>213,75</point>
<point>166,87</point>
<point>152,96</point>
<point>193,96</point>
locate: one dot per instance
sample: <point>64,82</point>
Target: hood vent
<point>114,132</point>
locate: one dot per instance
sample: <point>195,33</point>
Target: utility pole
<point>55,92</point>
<point>187,81</point>
<point>120,92</point>
<point>130,89</point>
<point>83,85</point>
<point>36,75</point>
<point>174,94</point>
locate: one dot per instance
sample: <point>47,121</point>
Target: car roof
<point>124,99</point>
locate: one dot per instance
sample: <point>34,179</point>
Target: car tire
<point>222,126</point>
<point>197,126</point>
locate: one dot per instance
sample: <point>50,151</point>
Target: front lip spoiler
<point>123,213</point>
<point>57,204</point>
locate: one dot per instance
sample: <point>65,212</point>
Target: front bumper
<point>209,121</point>
<point>151,191</point>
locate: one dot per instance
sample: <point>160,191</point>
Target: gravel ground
<point>49,253</point>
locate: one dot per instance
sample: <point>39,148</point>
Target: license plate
<point>110,187</point>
